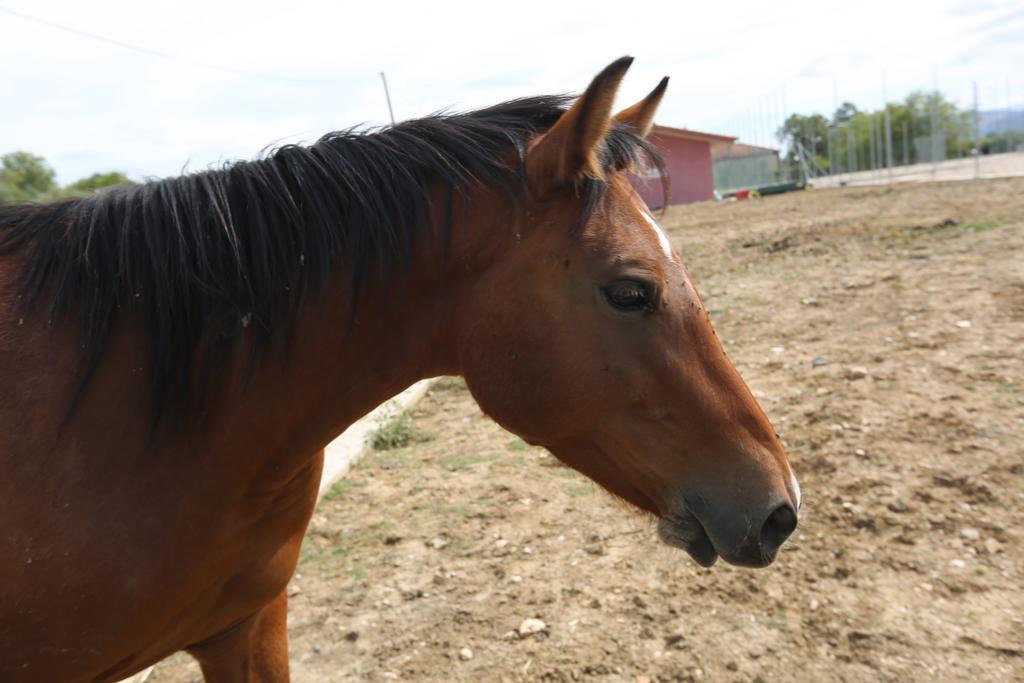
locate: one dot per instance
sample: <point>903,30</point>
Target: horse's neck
<point>340,367</point>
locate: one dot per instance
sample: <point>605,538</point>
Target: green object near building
<point>738,167</point>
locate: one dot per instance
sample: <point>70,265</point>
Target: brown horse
<point>174,356</point>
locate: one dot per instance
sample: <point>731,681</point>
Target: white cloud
<point>87,105</point>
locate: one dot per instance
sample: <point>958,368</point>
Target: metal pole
<point>851,151</point>
<point>906,146</point>
<point>888,127</point>
<point>839,151</point>
<point>761,125</point>
<point>766,114</point>
<point>884,139</point>
<point>766,122</point>
<point>880,132</point>
<point>977,147</point>
<point>762,118</point>
<point>871,141</point>
<point>779,122</point>
<point>888,139</point>
<point>387,96</point>
<point>879,155</point>
<point>1009,115</point>
<point>757,124</point>
<point>829,150</point>
<point>1022,109</point>
<point>868,166</point>
<point>785,113</point>
<point>761,109</point>
<point>860,159</point>
<point>934,123</point>
<point>880,144</point>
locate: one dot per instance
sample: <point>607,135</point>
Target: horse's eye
<point>628,295</point>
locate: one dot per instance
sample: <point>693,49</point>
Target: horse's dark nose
<point>735,534</point>
<point>777,528</point>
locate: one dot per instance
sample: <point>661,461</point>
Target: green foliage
<point>1001,142</point>
<point>7,193</point>
<point>845,112</point>
<point>341,487</point>
<point>855,140</point>
<point>463,460</point>
<point>809,132</point>
<point>97,181</point>
<point>27,177</point>
<point>397,433</point>
<point>449,383</point>
<point>518,444</point>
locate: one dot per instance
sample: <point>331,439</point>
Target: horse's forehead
<point>632,223</point>
<point>659,232</point>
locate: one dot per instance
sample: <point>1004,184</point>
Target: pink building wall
<point>689,167</point>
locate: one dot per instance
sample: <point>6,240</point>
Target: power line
<point>157,53</point>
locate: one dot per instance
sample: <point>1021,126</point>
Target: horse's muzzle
<point>684,530</point>
<point>709,536</point>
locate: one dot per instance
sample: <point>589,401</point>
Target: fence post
<point>1009,117</point>
<point>906,146</point>
<point>888,139</point>
<point>934,122</point>
<point>976,151</point>
<point>851,152</point>
<point>873,155</point>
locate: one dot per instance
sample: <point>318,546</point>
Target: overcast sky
<point>294,70</point>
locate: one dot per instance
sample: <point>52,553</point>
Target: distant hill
<point>1000,121</point>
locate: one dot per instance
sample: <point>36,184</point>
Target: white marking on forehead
<point>796,488</point>
<point>666,246</point>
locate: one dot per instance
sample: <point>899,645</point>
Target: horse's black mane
<point>201,256</point>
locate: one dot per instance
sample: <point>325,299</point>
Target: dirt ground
<point>882,329</point>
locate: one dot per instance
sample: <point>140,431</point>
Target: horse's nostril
<point>777,528</point>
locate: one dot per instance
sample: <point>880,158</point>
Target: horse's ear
<point>641,115</point>
<point>568,151</point>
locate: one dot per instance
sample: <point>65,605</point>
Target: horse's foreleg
<point>254,651</point>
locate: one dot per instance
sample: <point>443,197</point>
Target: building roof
<point>686,134</point>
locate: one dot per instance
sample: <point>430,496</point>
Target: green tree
<point>25,177</point>
<point>859,139</point>
<point>952,126</point>
<point>806,135</point>
<point>845,112</point>
<point>7,193</point>
<point>1002,142</point>
<point>97,181</point>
